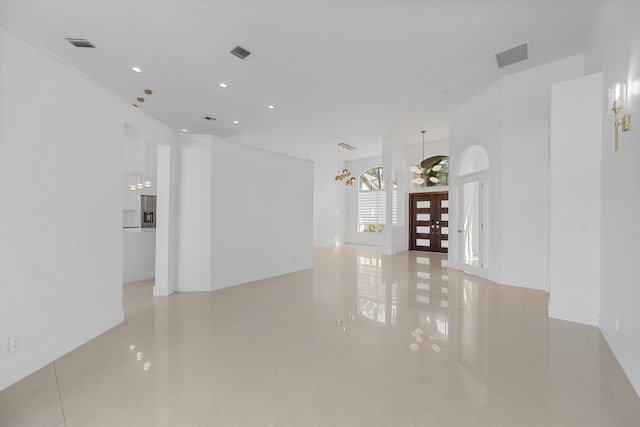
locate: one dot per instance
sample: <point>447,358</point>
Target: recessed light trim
<point>271,107</point>
<point>136,69</point>
<point>223,85</point>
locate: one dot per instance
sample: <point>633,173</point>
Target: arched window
<point>436,171</point>
<point>372,201</point>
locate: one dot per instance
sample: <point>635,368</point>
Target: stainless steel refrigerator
<point>147,211</point>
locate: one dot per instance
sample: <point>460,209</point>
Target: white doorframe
<point>482,180</point>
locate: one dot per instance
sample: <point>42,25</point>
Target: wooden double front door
<point>429,222</point>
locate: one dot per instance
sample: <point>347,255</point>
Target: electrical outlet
<point>14,342</point>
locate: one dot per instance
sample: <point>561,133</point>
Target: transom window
<point>436,171</point>
<point>372,201</point>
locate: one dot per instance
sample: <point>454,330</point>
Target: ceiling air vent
<point>80,42</point>
<point>512,56</point>
<point>240,52</point>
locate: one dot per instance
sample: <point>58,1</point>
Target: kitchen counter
<point>139,230</point>
<point>139,254</point>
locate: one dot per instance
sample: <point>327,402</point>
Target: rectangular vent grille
<point>347,146</point>
<point>80,42</point>
<point>240,52</point>
<point>512,56</point>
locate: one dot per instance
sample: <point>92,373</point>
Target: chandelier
<point>345,174</point>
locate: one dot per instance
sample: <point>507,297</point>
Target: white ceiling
<point>351,71</point>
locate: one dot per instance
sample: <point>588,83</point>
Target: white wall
<point>244,213</point>
<point>478,122</point>
<point>576,129</point>
<point>60,158</point>
<point>614,49</point>
<point>526,103</point>
<point>510,120</point>
<point>262,213</point>
<point>329,203</point>
<point>194,195</point>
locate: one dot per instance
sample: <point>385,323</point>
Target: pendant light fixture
<point>139,185</point>
<point>140,181</point>
<point>346,173</point>
<point>419,170</point>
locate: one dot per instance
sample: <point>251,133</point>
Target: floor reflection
<point>437,309</point>
<point>362,339</point>
<point>377,300</point>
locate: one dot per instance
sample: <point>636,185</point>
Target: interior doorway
<point>470,248</point>
<point>147,251</point>
<point>429,222</point>
<point>471,223</point>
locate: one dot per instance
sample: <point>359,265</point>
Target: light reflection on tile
<point>362,339</point>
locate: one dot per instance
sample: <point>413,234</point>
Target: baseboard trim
<point>243,278</point>
<point>629,366</point>
<point>573,315</point>
<point>21,368</point>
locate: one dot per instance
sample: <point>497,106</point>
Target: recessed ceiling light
<point>184,131</point>
<point>271,107</point>
<point>222,84</point>
<point>235,122</point>
<point>136,69</point>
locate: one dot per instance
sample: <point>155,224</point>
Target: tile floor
<point>360,340</point>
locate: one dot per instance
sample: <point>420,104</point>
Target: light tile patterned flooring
<point>360,340</point>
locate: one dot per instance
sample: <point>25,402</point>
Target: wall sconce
<point>617,99</point>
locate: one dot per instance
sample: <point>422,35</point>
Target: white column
<point>576,129</point>
<point>164,283</point>
<point>388,243</point>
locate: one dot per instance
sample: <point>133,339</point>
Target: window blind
<point>372,207</point>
